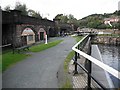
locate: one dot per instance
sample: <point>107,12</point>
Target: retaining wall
<point>110,40</point>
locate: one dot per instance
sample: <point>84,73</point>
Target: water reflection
<point>111,56</point>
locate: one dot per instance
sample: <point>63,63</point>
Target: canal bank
<point>107,39</point>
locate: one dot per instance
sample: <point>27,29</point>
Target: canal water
<point>111,56</point>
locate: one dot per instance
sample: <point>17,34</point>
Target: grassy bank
<point>71,54</point>
<point>42,47</point>
<point>8,58</point>
<point>67,60</point>
<point>78,38</point>
<point>68,83</point>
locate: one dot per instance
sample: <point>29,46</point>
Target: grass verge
<point>8,59</point>
<point>0,63</point>
<point>67,60</point>
<point>42,47</point>
<point>68,83</point>
<point>78,38</point>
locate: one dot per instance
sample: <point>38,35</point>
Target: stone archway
<point>28,36</point>
<point>41,34</point>
<point>52,32</point>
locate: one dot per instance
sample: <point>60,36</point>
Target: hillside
<point>97,20</point>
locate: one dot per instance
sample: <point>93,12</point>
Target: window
<point>30,38</point>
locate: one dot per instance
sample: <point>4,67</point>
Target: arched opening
<point>28,36</point>
<point>63,31</point>
<point>52,32</point>
<point>41,34</point>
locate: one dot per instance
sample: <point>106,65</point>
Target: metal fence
<point>78,52</point>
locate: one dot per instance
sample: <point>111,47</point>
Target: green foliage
<point>67,85</point>
<point>70,55</point>
<point>92,21</point>
<point>7,8</point>
<point>62,18</point>
<point>9,59</point>
<point>67,60</point>
<point>70,19</point>
<point>97,21</point>
<point>0,63</point>
<point>117,13</point>
<point>24,10</point>
<point>21,7</point>
<point>42,47</point>
<point>34,13</point>
<point>78,38</point>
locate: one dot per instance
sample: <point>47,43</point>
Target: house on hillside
<point>107,20</point>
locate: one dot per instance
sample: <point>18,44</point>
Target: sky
<point>78,8</point>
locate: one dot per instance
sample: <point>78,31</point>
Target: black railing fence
<point>87,68</point>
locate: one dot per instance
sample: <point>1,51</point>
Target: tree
<point>37,15</point>
<point>34,13</point>
<point>58,16</point>
<point>21,7</point>
<point>7,8</point>
<point>62,18</point>
<point>67,19</point>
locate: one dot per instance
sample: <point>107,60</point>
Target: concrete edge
<point>111,85</point>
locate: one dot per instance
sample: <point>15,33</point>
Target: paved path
<point>39,70</point>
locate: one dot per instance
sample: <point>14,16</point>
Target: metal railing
<point>78,50</point>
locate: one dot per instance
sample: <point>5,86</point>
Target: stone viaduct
<point>20,29</point>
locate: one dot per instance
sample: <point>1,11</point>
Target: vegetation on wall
<point>24,10</point>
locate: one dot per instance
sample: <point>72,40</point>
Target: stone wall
<point>112,31</point>
<point>107,40</point>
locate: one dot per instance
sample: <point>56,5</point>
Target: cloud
<point>79,8</point>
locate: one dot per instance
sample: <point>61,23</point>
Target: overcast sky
<point>78,8</point>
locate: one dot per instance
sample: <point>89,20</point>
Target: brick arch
<point>52,32</point>
<point>41,33</point>
<point>31,27</point>
<point>29,37</point>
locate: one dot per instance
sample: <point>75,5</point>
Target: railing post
<point>89,67</point>
<point>89,71</point>
<point>78,53</point>
<point>75,72</point>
